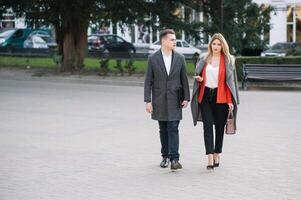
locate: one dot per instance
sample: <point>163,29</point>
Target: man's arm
<point>148,82</point>
<point>185,84</point>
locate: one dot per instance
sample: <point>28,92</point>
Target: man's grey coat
<point>162,89</point>
<point>231,80</point>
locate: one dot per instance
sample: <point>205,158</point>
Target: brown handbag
<point>230,127</point>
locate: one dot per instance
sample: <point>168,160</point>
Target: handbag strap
<point>230,114</point>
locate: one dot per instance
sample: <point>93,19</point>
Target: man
<point>166,92</point>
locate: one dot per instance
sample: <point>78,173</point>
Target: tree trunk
<point>74,46</point>
<point>59,36</point>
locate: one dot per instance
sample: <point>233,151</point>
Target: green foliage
<point>104,67</point>
<point>129,66</point>
<point>23,62</point>
<point>167,14</point>
<point>119,67</point>
<point>244,23</point>
<point>71,18</point>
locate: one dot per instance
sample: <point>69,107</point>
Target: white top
<point>167,61</point>
<point>211,76</point>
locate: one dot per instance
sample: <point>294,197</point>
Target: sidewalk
<point>75,141</point>
<point>88,78</point>
<point>117,79</point>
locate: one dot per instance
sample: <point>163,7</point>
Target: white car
<point>38,41</point>
<point>35,42</point>
<point>182,47</point>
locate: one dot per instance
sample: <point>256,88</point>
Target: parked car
<point>202,47</point>
<point>39,41</point>
<point>14,38</point>
<point>283,49</point>
<point>43,41</point>
<point>182,46</point>
<point>5,34</point>
<point>109,43</point>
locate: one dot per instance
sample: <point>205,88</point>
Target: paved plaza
<point>90,141</point>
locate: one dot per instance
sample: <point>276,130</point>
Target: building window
<point>7,21</point>
<point>298,23</point>
<point>293,23</point>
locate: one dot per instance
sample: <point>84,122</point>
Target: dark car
<point>283,49</point>
<point>109,43</point>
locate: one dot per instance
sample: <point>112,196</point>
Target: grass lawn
<point>9,61</point>
<point>90,63</point>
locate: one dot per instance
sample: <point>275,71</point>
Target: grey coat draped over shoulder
<point>162,89</point>
<point>231,81</point>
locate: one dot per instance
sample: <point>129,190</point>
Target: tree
<point>169,15</point>
<point>71,18</point>
<point>244,22</point>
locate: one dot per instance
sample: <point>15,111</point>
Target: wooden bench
<point>270,72</point>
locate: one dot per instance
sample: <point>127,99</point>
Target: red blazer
<point>223,91</point>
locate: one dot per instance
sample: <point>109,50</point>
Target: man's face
<point>169,41</point>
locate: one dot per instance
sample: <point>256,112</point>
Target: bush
<point>129,67</point>
<point>264,60</point>
<point>104,67</point>
<point>251,52</point>
<point>119,67</point>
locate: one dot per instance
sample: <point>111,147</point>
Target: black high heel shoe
<point>210,167</point>
<point>215,164</point>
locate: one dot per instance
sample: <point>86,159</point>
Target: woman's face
<point>216,46</point>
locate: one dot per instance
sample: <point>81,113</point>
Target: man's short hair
<point>164,32</point>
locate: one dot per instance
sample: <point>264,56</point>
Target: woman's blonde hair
<point>225,48</point>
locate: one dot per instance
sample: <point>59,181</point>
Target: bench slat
<point>271,78</point>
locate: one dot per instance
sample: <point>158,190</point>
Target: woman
<point>215,92</point>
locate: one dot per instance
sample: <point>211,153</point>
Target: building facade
<point>285,23</point>
<point>10,21</point>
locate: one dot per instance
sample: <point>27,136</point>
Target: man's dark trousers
<point>169,136</point>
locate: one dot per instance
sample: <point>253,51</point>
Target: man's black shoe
<point>175,165</point>
<point>164,163</point>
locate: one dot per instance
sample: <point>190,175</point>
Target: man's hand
<point>184,104</point>
<point>149,107</point>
